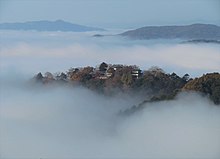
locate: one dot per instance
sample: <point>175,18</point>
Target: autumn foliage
<point>112,79</point>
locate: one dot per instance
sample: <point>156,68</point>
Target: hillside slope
<point>208,84</point>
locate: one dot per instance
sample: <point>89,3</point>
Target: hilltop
<point>44,25</point>
<point>110,79</point>
<point>152,84</point>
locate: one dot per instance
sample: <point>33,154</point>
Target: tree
<point>186,77</point>
<point>103,67</point>
<point>83,74</point>
<point>156,69</point>
<point>48,75</point>
<point>61,76</point>
<point>39,77</point>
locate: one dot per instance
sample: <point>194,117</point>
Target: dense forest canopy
<point>153,83</point>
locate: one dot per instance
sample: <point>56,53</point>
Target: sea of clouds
<point>73,122</point>
<point>58,51</point>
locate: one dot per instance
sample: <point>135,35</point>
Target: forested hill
<point>188,32</point>
<point>153,83</point>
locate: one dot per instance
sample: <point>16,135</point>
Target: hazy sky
<point>113,13</point>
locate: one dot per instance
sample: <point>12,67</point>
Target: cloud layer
<point>59,122</point>
<point>53,54</point>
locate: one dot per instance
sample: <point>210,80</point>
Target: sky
<point>113,13</point>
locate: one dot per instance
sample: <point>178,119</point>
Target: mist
<point>53,121</point>
<point>58,51</point>
<point>57,122</point>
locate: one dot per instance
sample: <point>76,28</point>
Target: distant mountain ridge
<point>189,32</point>
<point>44,25</point>
<point>199,41</point>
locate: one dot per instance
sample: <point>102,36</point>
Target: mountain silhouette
<point>44,25</point>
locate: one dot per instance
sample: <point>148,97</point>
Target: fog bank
<point>59,122</point>
<point>58,51</point>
